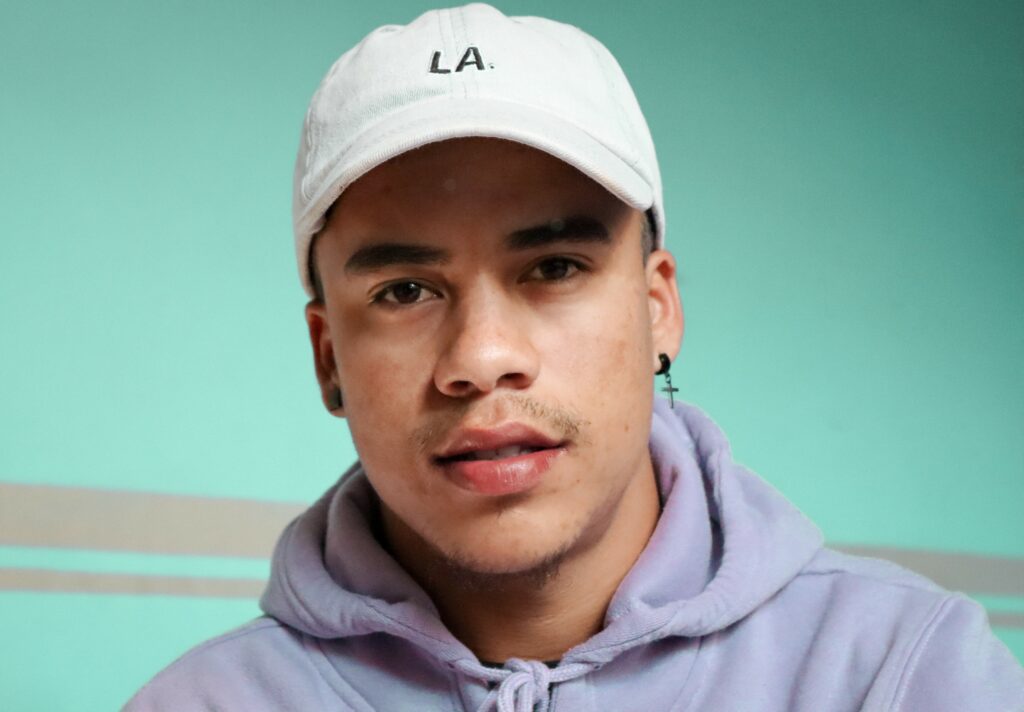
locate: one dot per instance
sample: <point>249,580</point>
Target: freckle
<point>450,185</point>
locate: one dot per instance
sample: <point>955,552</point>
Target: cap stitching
<point>447,42</point>
<point>613,78</point>
<point>456,19</point>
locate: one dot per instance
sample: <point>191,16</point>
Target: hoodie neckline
<point>724,543</point>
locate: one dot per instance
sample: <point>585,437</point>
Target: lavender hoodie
<point>733,606</point>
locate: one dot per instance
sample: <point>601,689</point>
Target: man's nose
<point>487,346</point>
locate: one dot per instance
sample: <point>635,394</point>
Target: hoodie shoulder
<point>941,654</point>
<point>829,562</point>
<point>257,667</point>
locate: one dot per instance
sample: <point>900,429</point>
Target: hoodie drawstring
<point>524,685</point>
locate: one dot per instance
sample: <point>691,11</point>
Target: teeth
<point>500,453</point>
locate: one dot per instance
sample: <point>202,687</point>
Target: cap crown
<point>472,71</point>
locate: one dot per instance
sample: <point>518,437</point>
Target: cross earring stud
<point>663,371</point>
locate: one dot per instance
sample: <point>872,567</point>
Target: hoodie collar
<point>725,543</point>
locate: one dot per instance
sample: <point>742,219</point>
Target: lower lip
<point>511,475</point>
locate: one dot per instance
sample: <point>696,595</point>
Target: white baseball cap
<point>472,71</point>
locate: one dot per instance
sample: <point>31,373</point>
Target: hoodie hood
<point>725,543</point>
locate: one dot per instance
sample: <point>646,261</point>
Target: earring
<point>663,371</point>
<point>334,400</point>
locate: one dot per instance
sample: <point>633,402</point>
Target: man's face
<point>522,301</point>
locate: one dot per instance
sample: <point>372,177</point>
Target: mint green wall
<point>845,195</point>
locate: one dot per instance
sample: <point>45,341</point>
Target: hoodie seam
<point>417,633</point>
<point>923,586</point>
<point>458,691</point>
<point>917,650</point>
<point>332,684</point>
<point>685,698</point>
<point>625,643</point>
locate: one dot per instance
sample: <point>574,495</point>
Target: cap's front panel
<point>405,85</point>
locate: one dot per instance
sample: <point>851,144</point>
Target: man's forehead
<point>458,165</point>
<point>478,178</point>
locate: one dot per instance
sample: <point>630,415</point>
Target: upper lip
<point>468,440</point>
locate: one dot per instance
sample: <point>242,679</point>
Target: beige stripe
<point>119,520</point>
<point>87,582</point>
<point>993,575</point>
<point>1002,619</point>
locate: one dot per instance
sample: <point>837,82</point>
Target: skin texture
<point>489,337</point>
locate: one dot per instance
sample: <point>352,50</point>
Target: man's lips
<point>466,441</point>
<point>509,459</point>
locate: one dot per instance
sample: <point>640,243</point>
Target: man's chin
<point>481,573</point>
<point>481,558</point>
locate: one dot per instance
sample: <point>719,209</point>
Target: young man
<point>479,222</point>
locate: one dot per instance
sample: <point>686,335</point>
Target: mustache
<point>555,420</point>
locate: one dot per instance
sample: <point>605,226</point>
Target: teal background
<point>845,195</point>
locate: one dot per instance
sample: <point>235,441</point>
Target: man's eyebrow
<point>387,254</point>
<point>577,228</point>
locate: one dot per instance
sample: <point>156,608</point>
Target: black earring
<point>334,400</point>
<point>663,371</point>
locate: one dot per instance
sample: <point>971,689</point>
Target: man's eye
<point>402,293</point>
<point>555,269</point>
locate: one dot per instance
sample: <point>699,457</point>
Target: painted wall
<point>845,195</point>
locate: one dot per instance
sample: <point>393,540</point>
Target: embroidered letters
<point>470,58</point>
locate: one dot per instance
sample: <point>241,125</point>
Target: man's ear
<point>323,357</point>
<point>664,305</point>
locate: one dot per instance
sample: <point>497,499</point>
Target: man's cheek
<point>374,372</point>
<point>592,346</point>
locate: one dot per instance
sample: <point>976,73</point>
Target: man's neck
<point>541,618</point>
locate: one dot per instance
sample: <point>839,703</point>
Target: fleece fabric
<point>734,605</point>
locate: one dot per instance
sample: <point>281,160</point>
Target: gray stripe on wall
<point>1003,619</point>
<point>993,575</point>
<point>120,520</point>
<point>46,580</point>
<point>150,523</point>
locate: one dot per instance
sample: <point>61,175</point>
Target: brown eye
<point>402,293</point>
<point>555,269</point>
<point>407,292</point>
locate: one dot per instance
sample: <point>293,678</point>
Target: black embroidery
<point>470,58</point>
<point>465,61</point>
<point>433,65</point>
